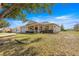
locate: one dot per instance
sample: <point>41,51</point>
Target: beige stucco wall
<point>56,29</point>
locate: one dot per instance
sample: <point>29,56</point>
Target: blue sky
<point>66,14</point>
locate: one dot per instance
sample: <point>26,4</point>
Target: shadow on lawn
<point>15,48</point>
<point>28,41</point>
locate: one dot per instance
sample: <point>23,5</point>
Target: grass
<point>60,44</point>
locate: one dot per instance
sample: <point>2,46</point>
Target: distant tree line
<point>62,28</point>
<point>76,27</point>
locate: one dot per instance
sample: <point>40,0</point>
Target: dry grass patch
<point>61,44</point>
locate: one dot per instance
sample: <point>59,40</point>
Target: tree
<point>62,28</point>
<point>15,10</point>
<point>76,27</point>
<point>4,23</point>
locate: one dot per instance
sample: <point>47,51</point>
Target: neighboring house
<point>1,29</point>
<point>9,30</point>
<point>35,27</point>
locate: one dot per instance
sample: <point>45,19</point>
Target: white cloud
<point>65,17</point>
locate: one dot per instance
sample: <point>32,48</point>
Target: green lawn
<point>63,43</point>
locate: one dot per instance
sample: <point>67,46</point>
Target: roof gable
<point>41,23</point>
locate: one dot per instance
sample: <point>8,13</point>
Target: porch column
<point>34,28</point>
<point>50,27</point>
<point>38,28</point>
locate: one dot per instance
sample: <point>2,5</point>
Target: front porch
<point>33,29</point>
<point>39,29</point>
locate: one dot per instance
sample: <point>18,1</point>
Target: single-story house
<point>36,27</point>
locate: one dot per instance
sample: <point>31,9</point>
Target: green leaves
<point>3,23</point>
<point>28,7</point>
<point>62,28</point>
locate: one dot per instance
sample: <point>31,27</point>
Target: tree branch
<point>7,11</point>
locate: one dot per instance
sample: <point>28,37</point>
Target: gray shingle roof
<point>32,22</point>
